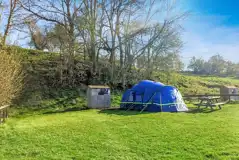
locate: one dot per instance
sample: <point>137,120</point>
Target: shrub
<point>11,77</point>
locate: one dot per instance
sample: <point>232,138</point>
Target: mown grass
<point>114,134</point>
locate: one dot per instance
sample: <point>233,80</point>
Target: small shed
<point>98,96</point>
<point>229,90</point>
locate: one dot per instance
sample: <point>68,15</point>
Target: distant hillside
<point>194,84</point>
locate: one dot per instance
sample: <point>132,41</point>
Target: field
<point>195,84</point>
<point>114,134</point>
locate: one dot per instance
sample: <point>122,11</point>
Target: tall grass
<point>11,77</point>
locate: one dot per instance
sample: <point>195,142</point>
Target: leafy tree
<point>217,64</point>
<point>116,32</point>
<point>197,65</point>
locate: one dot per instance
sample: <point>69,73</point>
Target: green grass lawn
<point>94,134</point>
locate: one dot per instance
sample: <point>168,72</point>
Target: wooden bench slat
<point>217,104</point>
<point>200,104</point>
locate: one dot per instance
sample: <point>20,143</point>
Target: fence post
<point>1,116</point>
<point>3,113</point>
<point>7,112</point>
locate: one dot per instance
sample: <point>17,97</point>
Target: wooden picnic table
<point>210,102</point>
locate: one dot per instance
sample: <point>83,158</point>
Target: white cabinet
<point>98,96</point>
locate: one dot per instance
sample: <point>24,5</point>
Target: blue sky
<point>212,27</point>
<point>228,8</point>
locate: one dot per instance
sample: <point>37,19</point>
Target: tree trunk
<point>93,54</point>
<point>121,52</point>
<point>13,4</point>
<point>70,63</point>
<point>148,64</point>
<point>122,74</point>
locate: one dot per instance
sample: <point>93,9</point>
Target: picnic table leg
<point>219,106</point>
<point>209,103</point>
<point>199,105</point>
<point>211,107</point>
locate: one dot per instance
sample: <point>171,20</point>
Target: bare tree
<point>90,12</point>
<point>139,34</point>
<point>1,11</point>
<point>38,39</point>
<point>117,32</point>
<point>63,13</point>
<point>12,9</point>
<point>124,30</point>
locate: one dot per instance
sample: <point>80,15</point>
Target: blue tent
<point>153,97</point>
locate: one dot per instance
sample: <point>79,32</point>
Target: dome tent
<point>153,97</point>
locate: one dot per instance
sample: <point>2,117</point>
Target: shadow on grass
<point>118,111</point>
<point>74,109</point>
<point>201,110</point>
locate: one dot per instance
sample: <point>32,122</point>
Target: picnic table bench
<point>210,102</point>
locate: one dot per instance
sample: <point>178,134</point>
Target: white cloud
<point>205,36</point>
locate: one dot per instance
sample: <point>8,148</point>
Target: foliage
<point>216,65</point>
<point>63,98</point>
<point>114,134</point>
<point>197,65</point>
<point>118,31</point>
<point>11,81</point>
<point>30,54</point>
<point>42,77</point>
<point>194,84</point>
<point>116,99</point>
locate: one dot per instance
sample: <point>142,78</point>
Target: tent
<point>153,96</point>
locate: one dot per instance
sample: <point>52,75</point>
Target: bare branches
<point>120,31</point>
<point>12,9</point>
<point>43,13</point>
